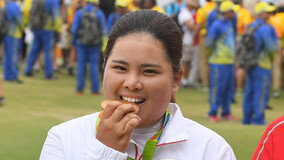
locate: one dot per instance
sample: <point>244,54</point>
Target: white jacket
<point>182,139</point>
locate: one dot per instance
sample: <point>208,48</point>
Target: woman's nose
<point>132,82</point>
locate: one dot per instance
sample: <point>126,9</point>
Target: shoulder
<point>198,142</point>
<point>75,126</point>
<point>277,125</point>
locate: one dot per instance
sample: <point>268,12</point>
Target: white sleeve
<point>228,155</point>
<point>184,16</point>
<point>52,148</point>
<point>98,151</point>
<point>95,150</point>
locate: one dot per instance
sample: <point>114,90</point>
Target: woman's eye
<point>150,71</point>
<point>120,68</point>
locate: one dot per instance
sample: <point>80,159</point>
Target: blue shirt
<point>15,19</point>
<point>213,16</point>
<point>78,16</point>
<point>266,42</point>
<point>53,21</point>
<point>112,18</point>
<point>221,41</point>
<point>174,8</point>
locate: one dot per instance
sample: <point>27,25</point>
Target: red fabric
<point>196,38</point>
<point>271,145</point>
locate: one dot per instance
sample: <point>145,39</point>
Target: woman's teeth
<point>134,100</point>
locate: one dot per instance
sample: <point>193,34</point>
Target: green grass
<point>32,108</point>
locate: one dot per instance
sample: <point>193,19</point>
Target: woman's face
<point>137,70</point>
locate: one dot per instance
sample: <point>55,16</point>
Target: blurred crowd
<point>59,35</point>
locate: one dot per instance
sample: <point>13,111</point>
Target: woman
<point>142,65</point>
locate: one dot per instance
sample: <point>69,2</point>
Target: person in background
<point>108,8</point>
<point>190,54</point>
<point>216,14</point>
<point>152,4</point>
<point>13,42</point>
<point>275,21</point>
<point>201,17</point>
<point>174,8</point>
<point>74,7</point>
<point>271,145</point>
<point>88,28</point>
<point>142,66</point>
<point>221,49</point>
<point>257,89</point>
<point>2,98</point>
<point>134,5</point>
<point>44,37</point>
<point>122,9</point>
<point>243,21</point>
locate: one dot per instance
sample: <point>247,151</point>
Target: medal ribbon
<point>151,144</point>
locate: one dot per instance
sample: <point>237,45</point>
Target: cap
<point>121,3</point>
<point>228,6</point>
<point>263,7</point>
<point>193,3</point>
<point>218,0</point>
<point>237,8</point>
<point>92,1</point>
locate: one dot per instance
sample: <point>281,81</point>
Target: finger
<point>126,118</point>
<point>130,125</point>
<point>121,111</point>
<point>110,108</point>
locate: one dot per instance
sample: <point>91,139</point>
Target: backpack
<point>4,24</point>
<point>175,18</point>
<point>245,53</point>
<point>89,31</point>
<point>38,15</point>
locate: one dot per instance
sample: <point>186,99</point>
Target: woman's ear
<point>177,81</point>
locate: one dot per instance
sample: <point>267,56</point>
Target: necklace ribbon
<point>151,144</point>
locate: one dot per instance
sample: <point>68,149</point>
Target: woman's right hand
<point>117,124</point>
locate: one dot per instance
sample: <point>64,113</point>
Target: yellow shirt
<point>281,17</point>
<point>275,21</point>
<point>1,3</point>
<point>244,19</point>
<point>201,15</point>
<point>159,9</point>
<point>26,9</point>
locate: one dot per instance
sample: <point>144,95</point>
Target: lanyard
<point>151,144</point>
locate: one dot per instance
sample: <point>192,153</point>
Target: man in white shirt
<point>190,54</point>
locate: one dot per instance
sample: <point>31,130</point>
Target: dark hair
<point>107,6</point>
<point>150,22</point>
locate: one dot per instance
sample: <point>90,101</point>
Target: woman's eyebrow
<point>151,65</point>
<point>120,62</point>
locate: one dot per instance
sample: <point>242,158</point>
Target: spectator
<point>76,5</point>
<point>49,13</point>
<point>258,78</point>
<point>271,145</point>
<point>142,65</point>
<point>88,28</point>
<point>275,21</point>
<point>243,20</point>
<point>217,14</point>
<point>12,42</point>
<point>152,4</point>
<point>201,17</point>
<point>122,9</point>
<point>190,54</point>
<point>174,8</point>
<point>221,43</point>
<point>134,6</point>
<point>2,98</point>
